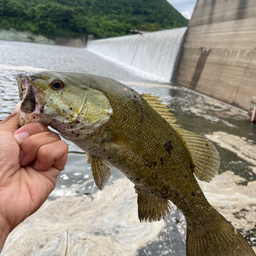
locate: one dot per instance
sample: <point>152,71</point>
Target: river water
<point>194,112</point>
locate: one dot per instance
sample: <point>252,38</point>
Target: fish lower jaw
<point>34,117</point>
<point>26,118</point>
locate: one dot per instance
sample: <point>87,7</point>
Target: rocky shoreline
<point>23,36</point>
<point>27,36</point>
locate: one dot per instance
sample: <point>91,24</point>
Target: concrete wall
<point>219,54</point>
<point>74,42</point>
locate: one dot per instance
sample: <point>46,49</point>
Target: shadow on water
<point>169,241</point>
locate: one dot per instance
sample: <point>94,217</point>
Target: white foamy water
<point>105,224</point>
<point>154,53</point>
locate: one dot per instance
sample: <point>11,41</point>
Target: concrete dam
<point>155,53</point>
<point>215,55</point>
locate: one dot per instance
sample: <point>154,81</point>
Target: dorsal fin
<point>205,157</point>
<point>100,169</point>
<point>160,108</point>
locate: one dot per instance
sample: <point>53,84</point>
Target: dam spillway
<point>215,55</point>
<point>154,53</point>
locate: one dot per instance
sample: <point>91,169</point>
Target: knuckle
<point>56,136</point>
<point>64,145</point>
<point>45,151</point>
<point>53,135</point>
<point>29,144</point>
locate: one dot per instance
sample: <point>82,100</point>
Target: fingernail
<point>20,137</point>
<point>21,155</point>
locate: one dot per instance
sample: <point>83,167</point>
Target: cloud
<point>186,14</point>
<point>185,7</point>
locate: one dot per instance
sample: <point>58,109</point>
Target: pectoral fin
<point>100,170</point>
<point>151,207</point>
<point>88,158</point>
<point>120,138</point>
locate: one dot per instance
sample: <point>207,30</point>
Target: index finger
<point>28,130</point>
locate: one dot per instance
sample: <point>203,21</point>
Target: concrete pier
<point>219,54</point>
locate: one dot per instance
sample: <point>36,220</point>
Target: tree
<point>76,18</point>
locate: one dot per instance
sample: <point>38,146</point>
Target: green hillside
<point>100,18</point>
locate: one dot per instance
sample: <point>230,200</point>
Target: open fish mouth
<point>31,110</point>
<point>75,112</point>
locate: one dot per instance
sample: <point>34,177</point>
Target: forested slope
<point>100,18</point>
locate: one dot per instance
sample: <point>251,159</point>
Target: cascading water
<point>155,53</point>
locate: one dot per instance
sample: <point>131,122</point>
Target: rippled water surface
<point>194,112</point>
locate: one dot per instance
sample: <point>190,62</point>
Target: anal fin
<point>152,207</point>
<point>100,170</point>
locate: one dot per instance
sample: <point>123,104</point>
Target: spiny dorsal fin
<point>160,108</point>
<point>151,207</point>
<point>205,157</point>
<point>100,170</point>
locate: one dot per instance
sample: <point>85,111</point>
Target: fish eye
<point>57,84</point>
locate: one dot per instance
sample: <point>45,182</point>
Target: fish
<point>138,135</point>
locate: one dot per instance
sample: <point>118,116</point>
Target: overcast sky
<point>185,7</point>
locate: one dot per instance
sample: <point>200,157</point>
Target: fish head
<point>64,102</point>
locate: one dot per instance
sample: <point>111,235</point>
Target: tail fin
<point>217,240</point>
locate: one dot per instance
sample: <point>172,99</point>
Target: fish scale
<point>137,135</point>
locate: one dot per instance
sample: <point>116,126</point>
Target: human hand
<point>31,159</point>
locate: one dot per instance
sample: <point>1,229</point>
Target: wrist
<point>4,232</point>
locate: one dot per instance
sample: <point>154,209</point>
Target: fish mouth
<point>31,110</point>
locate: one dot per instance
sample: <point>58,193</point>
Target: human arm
<point>31,159</point>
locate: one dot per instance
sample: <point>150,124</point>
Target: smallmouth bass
<point>137,134</point>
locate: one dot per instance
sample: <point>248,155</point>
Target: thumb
<point>11,122</point>
<point>17,108</point>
